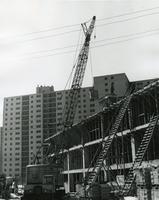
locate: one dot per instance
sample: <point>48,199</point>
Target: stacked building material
<point>143,183</point>
<point>147,182</point>
<point>155,183</point>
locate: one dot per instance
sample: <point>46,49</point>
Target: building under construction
<point>114,142</point>
<point>107,148</point>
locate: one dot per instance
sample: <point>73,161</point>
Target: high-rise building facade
<point>22,133</point>
<point>29,119</point>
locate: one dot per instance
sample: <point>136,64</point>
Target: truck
<point>41,182</point>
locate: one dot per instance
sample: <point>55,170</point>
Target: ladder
<point>92,174</point>
<point>140,155</point>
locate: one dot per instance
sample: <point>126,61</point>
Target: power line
<point>128,19</point>
<point>50,36</point>
<point>100,25</point>
<point>128,13</point>
<point>121,41</point>
<point>75,25</point>
<point>98,41</point>
<point>102,19</point>
<point>50,29</point>
<point>106,44</point>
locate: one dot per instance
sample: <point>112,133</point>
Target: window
<point>16,164</point>
<point>17,143</point>
<point>112,77</point>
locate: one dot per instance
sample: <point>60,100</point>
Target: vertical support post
<point>133,147</point>
<point>102,136</point>
<point>132,136</point>
<point>102,125</point>
<point>68,169</point>
<point>156,101</point>
<point>83,155</point>
<point>83,160</point>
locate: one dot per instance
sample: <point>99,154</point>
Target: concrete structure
<point>87,136</point>
<point>29,119</point>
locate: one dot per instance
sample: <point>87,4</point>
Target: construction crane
<point>78,77</point>
<point>80,66</point>
<point>68,119</point>
<point>70,108</point>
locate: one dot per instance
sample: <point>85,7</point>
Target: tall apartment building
<point>29,119</point>
<point>22,135</point>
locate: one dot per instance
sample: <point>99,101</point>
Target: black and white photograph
<point>79,100</point>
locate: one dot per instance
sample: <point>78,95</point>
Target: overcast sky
<point>38,42</point>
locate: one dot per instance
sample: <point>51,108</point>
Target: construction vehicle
<point>41,183</point>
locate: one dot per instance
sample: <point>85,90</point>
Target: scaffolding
<point>87,139</point>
